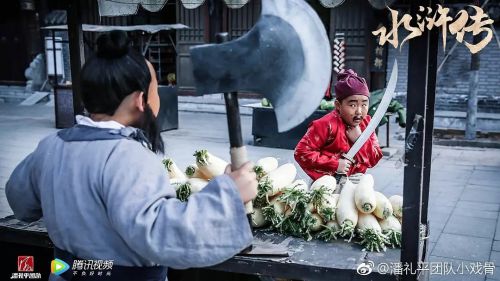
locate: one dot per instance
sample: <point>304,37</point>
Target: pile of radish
<point>197,175</point>
<point>289,206</point>
<point>358,212</point>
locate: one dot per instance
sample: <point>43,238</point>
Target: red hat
<point>349,83</point>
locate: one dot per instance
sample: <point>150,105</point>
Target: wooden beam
<point>429,125</point>
<point>77,52</point>
<point>421,93</point>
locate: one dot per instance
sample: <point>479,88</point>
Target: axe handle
<point>238,151</point>
<point>238,158</point>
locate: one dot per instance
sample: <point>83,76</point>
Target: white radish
<point>391,227</point>
<point>364,195</point>
<point>296,201</point>
<point>210,165</point>
<point>397,205</point>
<point>384,208</point>
<point>347,213</point>
<point>321,188</point>
<point>328,208</point>
<point>274,182</point>
<point>333,224</point>
<point>278,206</point>
<point>192,171</point>
<point>318,222</point>
<point>331,201</point>
<point>197,184</point>
<point>176,182</point>
<point>311,208</point>
<point>264,166</point>
<point>173,170</point>
<point>370,232</point>
<point>190,187</point>
<point>298,185</point>
<point>258,219</point>
<point>275,212</point>
<point>326,181</point>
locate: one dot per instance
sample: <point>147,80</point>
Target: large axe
<point>285,57</point>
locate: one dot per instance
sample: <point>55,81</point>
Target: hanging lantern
<point>108,8</point>
<point>236,4</point>
<point>192,4</point>
<point>331,3</point>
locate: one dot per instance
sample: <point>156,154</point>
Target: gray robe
<point>105,196</point>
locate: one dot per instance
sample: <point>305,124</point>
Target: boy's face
<point>353,109</point>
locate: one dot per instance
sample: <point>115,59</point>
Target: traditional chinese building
<point>349,25</point>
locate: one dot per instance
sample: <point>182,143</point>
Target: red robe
<point>319,151</point>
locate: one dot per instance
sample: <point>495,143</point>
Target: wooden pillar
<point>77,52</point>
<point>470,126</point>
<point>215,23</point>
<point>420,95</point>
<point>29,20</point>
<point>429,124</point>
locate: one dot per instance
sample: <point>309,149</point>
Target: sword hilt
<point>341,177</point>
<point>348,158</point>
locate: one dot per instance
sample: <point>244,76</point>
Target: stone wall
<point>453,78</point>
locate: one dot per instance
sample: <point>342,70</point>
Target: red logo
<point>25,263</point>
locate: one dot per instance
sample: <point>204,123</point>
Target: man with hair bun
<point>320,151</point>
<point>104,193</point>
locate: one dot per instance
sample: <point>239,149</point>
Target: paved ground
<point>465,184</point>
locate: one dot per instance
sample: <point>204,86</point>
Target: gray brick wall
<point>453,79</point>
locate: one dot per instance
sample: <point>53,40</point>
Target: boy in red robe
<point>320,151</point>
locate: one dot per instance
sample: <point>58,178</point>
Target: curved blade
<point>379,114</point>
<point>293,106</point>
<point>285,57</point>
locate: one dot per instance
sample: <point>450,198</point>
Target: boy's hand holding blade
<point>379,114</point>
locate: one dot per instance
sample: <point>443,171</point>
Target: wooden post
<point>421,93</point>
<point>77,52</point>
<point>470,126</point>
<point>429,125</point>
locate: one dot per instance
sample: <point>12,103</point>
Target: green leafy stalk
<point>289,226</point>
<point>373,240</point>
<point>272,216</point>
<point>347,228</point>
<point>259,171</point>
<point>263,188</point>
<point>201,157</point>
<point>318,195</point>
<point>190,170</point>
<point>327,213</point>
<point>183,192</point>
<point>393,238</point>
<point>168,162</point>
<point>307,222</point>
<point>328,233</point>
<point>295,198</point>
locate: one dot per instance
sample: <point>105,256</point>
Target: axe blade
<point>285,57</point>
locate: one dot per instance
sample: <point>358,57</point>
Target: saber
<point>379,114</point>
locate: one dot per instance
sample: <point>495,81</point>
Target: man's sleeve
<point>309,154</point>
<point>22,193</point>
<point>208,229</point>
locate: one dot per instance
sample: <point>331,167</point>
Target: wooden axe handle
<point>238,158</point>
